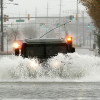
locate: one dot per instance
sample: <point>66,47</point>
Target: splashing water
<point>69,67</point>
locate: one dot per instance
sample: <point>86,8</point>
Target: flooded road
<point>64,77</point>
<point>50,91</point>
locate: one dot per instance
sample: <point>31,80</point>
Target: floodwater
<point>64,77</point>
<point>50,91</point>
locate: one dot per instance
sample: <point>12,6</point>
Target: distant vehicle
<point>43,48</point>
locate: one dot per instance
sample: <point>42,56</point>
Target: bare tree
<point>93,8</point>
<point>29,32</point>
<point>12,34</point>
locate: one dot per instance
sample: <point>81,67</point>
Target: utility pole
<point>60,17</point>
<point>83,30</point>
<point>2,36</point>
<point>60,9</point>
<point>35,17</point>
<point>47,18</point>
<point>47,13</point>
<point>90,40</point>
<point>77,37</point>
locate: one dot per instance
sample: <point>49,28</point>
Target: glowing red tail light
<point>17,45</point>
<point>69,39</point>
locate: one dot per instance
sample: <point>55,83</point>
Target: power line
<point>54,29</point>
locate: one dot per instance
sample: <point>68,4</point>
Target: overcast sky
<point>30,6</point>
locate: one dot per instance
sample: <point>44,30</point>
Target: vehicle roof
<point>36,41</point>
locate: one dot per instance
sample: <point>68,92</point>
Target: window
<point>35,50</point>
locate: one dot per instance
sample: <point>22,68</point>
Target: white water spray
<point>69,67</point>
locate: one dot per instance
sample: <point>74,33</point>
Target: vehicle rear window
<point>40,50</point>
<point>35,50</point>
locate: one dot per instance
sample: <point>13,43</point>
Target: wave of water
<point>69,67</point>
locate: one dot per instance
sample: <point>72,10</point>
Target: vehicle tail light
<point>69,39</point>
<point>17,45</point>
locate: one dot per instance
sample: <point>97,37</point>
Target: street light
<point>13,3</point>
<point>11,0</point>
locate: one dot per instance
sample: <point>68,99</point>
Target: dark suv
<point>44,48</point>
